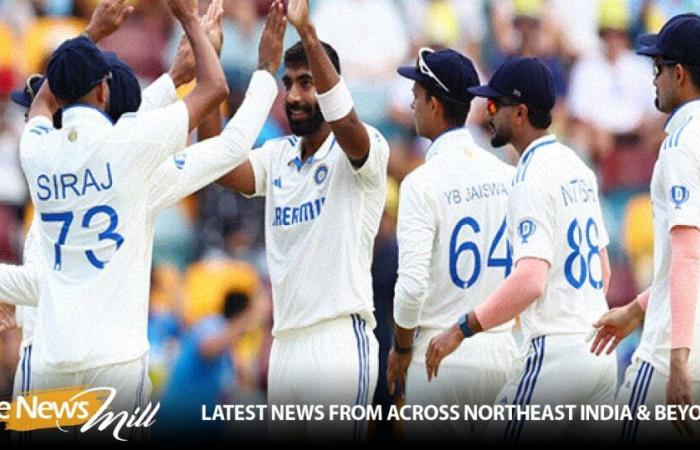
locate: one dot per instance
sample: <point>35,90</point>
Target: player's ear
<point>102,92</point>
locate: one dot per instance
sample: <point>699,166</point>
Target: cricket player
<point>324,188</point>
<point>665,368</point>
<point>125,97</point>
<point>561,265</point>
<point>453,251</point>
<point>85,182</point>
<point>205,162</point>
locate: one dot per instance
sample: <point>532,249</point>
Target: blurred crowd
<point>210,278</point>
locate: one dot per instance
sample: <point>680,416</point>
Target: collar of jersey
<point>537,143</point>
<point>320,154</point>
<point>444,141</point>
<point>82,111</point>
<point>680,115</point>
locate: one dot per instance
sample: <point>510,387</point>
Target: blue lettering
<point>285,215</point>
<point>43,187</point>
<point>89,181</point>
<point>109,176</point>
<point>68,180</point>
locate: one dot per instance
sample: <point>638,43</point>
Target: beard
<point>500,138</point>
<point>310,125</point>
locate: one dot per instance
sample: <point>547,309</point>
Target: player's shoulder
<point>38,132</point>
<point>280,144</point>
<point>686,136</point>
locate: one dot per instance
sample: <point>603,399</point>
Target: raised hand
<point>298,13</point>
<point>212,22</point>
<point>184,10</point>
<point>107,18</point>
<point>272,40</point>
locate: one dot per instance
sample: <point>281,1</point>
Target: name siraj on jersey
<point>60,186</point>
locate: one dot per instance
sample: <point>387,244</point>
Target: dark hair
<point>455,112</point>
<point>539,118</point>
<point>296,56</point>
<point>694,74</point>
<point>234,304</point>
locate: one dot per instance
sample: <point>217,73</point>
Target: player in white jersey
<point>205,162</point>
<point>561,265</point>
<point>85,181</point>
<point>666,368</point>
<point>453,251</point>
<point>125,96</point>
<point>325,189</point>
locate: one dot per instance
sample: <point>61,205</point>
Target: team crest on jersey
<point>321,174</point>
<point>526,228</point>
<point>679,195</point>
<point>179,160</point>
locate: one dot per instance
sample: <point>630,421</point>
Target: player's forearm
<point>408,301</point>
<point>520,290</point>
<point>210,126</point>
<point>348,130</point>
<point>403,337</point>
<point>683,285</point>
<point>158,94</point>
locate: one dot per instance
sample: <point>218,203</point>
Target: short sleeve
<point>681,173</point>
<point>373,171</point>
<point>531,222</point>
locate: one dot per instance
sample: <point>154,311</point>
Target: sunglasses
<point>425,70</point>
<point>494,104</point>
<point>659,65</point>
<point>28,85</point>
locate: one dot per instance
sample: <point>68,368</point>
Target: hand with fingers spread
<point>7,317</point>
<point>272,40</point>
<point>184,10</point>
<point>441,346</point>
<point>182,70</point>
<point>107,18</point>
<point>615,325</point>
<point>298,13</point>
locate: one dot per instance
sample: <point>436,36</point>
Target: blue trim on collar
<point>524,162</point>
<point>678,108</point>
<point>85,105</point>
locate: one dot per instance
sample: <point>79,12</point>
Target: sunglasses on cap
<point>494,104</point>
<point>425,70</point>
<point>28,85</point>
<point>659,65</point>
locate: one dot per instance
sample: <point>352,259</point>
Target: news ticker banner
<point>91,409</point>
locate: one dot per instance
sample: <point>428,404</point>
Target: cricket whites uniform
<point>321,218</point>
<point>453,252</point>
<point>99,339</point>
<point>554,215</point>
<point>675,190</point>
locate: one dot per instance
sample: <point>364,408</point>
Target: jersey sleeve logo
<point>526,228</point>
<point>180,159</point>
<point>321,174</point>
<point>679,195</point>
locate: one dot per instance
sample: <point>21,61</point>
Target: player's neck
<point>312,142</point>
<point>527,137</point>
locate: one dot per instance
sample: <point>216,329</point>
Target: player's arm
<point>19,285</point>
<point>334,97</point>
<point>242,178</point>
<point>213,158</point>
<point>522,287</point>
<point>107,18</point>
<point>211,88</point>
<point>415,234</point>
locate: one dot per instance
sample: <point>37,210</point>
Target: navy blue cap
<point>124,88</point>
<point>677,41</point>
<point>25,96</point>
<point>524,80</point>
<point>75,68</point>
<point>446,72</point>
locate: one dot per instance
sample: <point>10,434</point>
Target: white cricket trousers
<point>557,370</point>
<point>473,374</point>
<point>332,362</point>
<point>645,385</point>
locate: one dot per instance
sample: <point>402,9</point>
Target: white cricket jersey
<point>453,245</point>
<point>554,214</point>
<point>675,195</point>
<point>118,338</point>
<point>321,218</point>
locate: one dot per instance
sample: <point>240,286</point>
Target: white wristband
<point>336,103</point>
